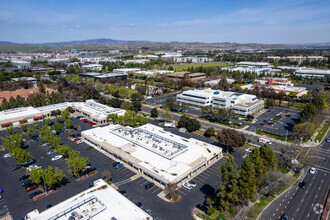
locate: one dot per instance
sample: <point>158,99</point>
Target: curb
<point>298,179</point>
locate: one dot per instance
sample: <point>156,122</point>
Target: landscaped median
<point>322,132</point>
<point>212,214</point>
<point>262,203</point>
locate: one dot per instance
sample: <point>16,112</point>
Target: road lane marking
<point>315,196</point>
<point>285,207</point>
<point>308,215</point>
<point>297,209</point>
<point>281,204</point>
<point>276,209</point>
<point>319,187</point>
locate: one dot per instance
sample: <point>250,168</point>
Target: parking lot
<point>283,127</point>
<point>19,203</point>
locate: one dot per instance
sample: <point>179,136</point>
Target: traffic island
<point>168,198</point>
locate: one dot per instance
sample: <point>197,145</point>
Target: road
<point>305,203</point>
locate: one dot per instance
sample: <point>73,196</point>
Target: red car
<point>84,120</point>
<point>77,139</point>
<point>30,188</point>
<point>90,122</point>
<point>93,124</point>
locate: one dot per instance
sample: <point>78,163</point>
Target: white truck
<point>265,141</point>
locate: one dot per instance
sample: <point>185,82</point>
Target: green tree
<point>228,188</point>
<point>126,105</point>
<point>136,97</point>
<point>209,132</point>
<point>20,155</point>
<point>48,121</point>
<point>304,129</point>
<point>259,165</point>
<point>53,176</point>
<point>114,118</point>
<point>30,132</point>
<point>23,127</point>
<point>58,127</point>
<point>10,129</point>
<point>44,130</point>
<point>68,123</point>
<point>63,150</point>
<point>270,103</point>
<point>41,87</point>
<point>154,113</point>
<point>66,114</point>
<point>166,114</point>
<point>36,124</point>
<point>230,138</point>
<point>269,157</point>
<point>247,181</point>
<point>90,81</point>
<point>76,163</point>
<point>36,175</point>
<point>59,118</point>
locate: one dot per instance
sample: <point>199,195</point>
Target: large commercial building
<point>93,110</point>
<point>251,69</point>
<point>58,60</point>
<point>159,155</point>
<point>125,70</point>
<point>153,72</point>
<point>241,104</point>
<point>99,202</point>
<point>97,67</point>
<point>103,75</point>
<point>318,73</point>
<point>253,64</point>
<point>21,63</point>
<point>271,81</point>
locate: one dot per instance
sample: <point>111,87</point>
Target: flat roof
<point>155,139</point>
<point>99,202</point>
<point>90,74</point>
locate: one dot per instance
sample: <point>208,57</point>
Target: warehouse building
<point>159,155</point>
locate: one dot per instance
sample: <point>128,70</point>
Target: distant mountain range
<point>6,45</point>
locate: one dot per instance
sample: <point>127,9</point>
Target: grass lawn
<point>322,132</point>
<point>279,137</point>
<point>186,66</point>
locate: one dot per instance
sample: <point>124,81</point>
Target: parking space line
<point>199,178</point>
<point>156,190</point>
<point>197,181</point>
<point>181,192</point>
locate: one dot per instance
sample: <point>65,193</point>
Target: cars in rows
<point>6,155</point>
<point>79,142</point>
<point>51,151</point>
<point>29,162</point>
<point>24,177</point>
<point>15,167</point>
<point>302,185</point>
<point>32,187</point>
<point>119,165</point>
<point>328,139</point>
<point>35,193</point>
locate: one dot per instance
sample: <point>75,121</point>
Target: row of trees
<point>32,100</point>
<point>217,114</point>
<point>50,176</point>
<point>13,143</point>
<point>239,185</point>
<point>130,118</point>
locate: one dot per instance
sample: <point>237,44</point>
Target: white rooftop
<point>162,152</point>
<point>99,202</point>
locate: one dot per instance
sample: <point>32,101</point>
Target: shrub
<point>210,211</point>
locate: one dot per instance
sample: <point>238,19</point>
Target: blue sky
<point>242,21</point>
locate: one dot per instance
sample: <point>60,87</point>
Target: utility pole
<point>286,136</point>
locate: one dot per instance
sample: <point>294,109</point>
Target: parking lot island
<point>159,155</point>
<point>98,202</point>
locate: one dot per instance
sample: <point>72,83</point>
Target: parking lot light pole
<point>286,136</point>
<point>43,176</point>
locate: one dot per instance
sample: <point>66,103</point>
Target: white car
<point>79,142</point>
<point>33,167</point>
<point>187,185</point>
<point>57,157</point>
<point>6,155</point>
<point>193,184</point>
<point>312,170</point>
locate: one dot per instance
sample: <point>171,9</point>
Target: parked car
<point>90,122</point>
<point>193,184</point>
<point>115,163</point>
<point>15,167</point>
<point>79,142</point>
<point>119,165</point>
<point>149,186</point>
<point>1,191</point>
<point>49,206</point>
<point>51,151</point>
<point>57,157</point>
<point>33,167</point>
<point>25,183</point>
<point>328,139</point>
<point>6,155</point>
<point>123,192</point>
<point>29,162</point>
<point>93,123</point>
<point>24,177</point>
<point>285,217</point>
<point>77,139</point>
<point>35,193</point>
<point>139,204</point>
<point>302,185</point>
<point>32,187</point>
<point>84,120</point>
<point>45,145</point>
<point>187,185</point>
<point>148,211</point>
<point>1,197</point>
<point>312,170</point>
